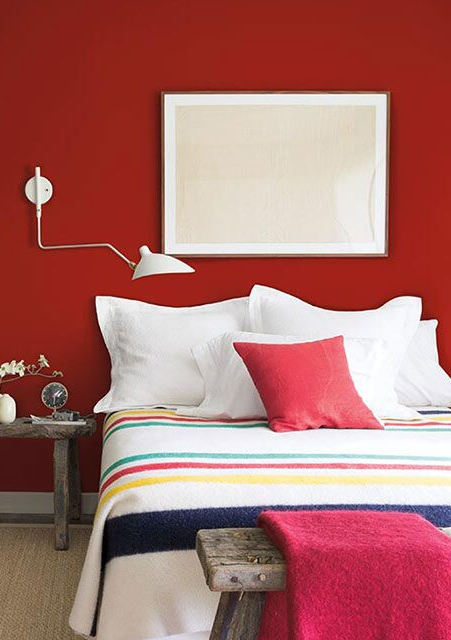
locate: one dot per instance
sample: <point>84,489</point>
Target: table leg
<point>238,616</point>
<point>74,481</point>
<point>61,493</point>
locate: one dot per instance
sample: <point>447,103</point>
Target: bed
<point>165,475</point>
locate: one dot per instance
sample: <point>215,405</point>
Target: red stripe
<point>387,422</point>
<point>156,466</point>
<point>417,424</point>
<point>178,419</point>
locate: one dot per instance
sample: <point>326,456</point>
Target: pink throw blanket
<point>358,575</point>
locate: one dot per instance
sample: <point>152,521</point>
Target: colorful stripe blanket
<point>164,476</point>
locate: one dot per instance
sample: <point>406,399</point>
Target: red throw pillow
<point>306,386</point>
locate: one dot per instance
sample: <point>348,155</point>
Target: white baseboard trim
<point>39,502</point>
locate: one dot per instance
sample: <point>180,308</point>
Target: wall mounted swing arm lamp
<point>39,190</point>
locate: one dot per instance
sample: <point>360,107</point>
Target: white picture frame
<point>275,174</point>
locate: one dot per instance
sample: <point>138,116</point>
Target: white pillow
<point>150,349</point>
<point>276,312</point>
<point>421,380</point>
<point>231,393</point>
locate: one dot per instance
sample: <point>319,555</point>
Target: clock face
<point>54,395</point>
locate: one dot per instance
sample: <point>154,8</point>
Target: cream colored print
<point>275,174</point>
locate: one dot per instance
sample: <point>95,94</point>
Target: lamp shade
<point>154,263</point>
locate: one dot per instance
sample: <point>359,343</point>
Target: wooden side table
<point>66,471</point>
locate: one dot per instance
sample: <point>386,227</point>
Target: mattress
<point>164,476</point>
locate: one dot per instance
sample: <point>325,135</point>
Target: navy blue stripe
<point>432,413</point>
<point>170,530</point>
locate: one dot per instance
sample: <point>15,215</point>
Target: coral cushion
<point>306,386</point>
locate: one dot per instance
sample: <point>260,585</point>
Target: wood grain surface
<point>240,560</point>
<point>23,428</point>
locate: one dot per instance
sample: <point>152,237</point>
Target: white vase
<point>7,409</point>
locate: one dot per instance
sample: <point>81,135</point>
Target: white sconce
<point>39,190</point>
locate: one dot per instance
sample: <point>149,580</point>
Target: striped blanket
<point>164,476</point>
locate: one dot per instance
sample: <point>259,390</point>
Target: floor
<point>37,583</point>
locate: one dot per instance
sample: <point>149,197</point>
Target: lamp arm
<point>97,245</point>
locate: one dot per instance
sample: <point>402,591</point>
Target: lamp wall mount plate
<point>38,189</point>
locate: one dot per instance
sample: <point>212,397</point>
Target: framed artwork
<point>275,174</point>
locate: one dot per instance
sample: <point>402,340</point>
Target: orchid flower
<point>18,368</point>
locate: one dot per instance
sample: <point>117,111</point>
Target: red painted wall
<point>80,86</point>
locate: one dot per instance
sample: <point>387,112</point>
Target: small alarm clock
<point>54,395</point>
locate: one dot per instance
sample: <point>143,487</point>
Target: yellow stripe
<point>137,412</point>
<point>170,412</point>
<point>286,479</point>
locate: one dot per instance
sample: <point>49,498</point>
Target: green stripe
<point>262,456</point>
<point>440,429</point>
<point>226,425</point>
<point>156,423</point>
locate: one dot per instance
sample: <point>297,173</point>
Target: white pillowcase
<point>150,349</point>
<point>231,393</point>
<point>421,380</point>
<point>275,312</point>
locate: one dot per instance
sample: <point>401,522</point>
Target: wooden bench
<point>243,565</point>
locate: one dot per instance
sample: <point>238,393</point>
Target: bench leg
<point>61,493</point>
<point>238,616</point>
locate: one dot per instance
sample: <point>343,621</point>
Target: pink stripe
<point>177,419</point>
<point>118,421</point>
<point>156,466</point>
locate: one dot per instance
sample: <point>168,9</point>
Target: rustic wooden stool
<point>243,565</point>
